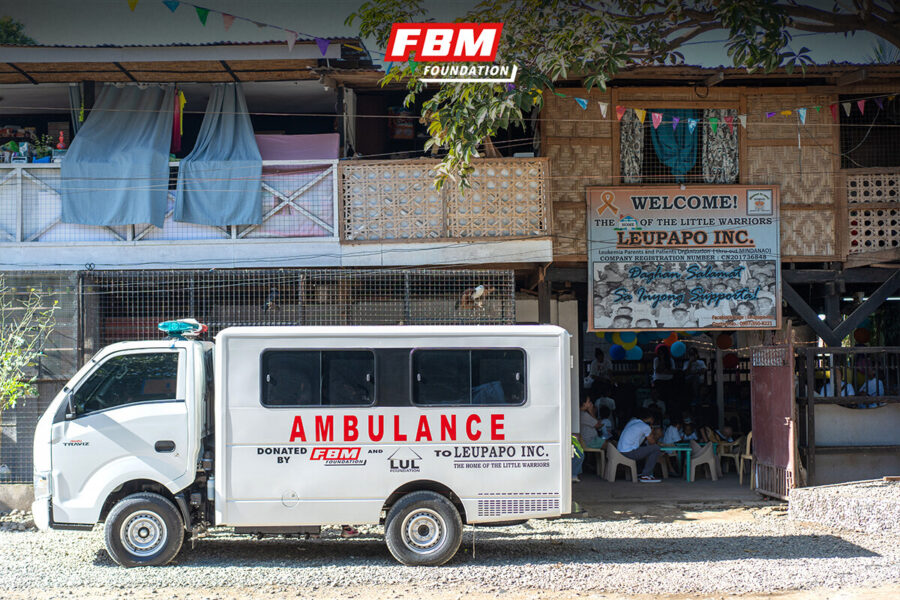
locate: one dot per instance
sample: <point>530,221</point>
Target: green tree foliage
<point>25,323</point>
<point>552,40</point>
<point>12,32</point>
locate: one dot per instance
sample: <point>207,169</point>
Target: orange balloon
<point>862,335</point>
<point>673,337</point>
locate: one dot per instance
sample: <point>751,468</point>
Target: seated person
<point>674,433</point>
<point>590,426</point>
<point>726,434</point>
<point>605,429</point>
<point>872,387</point>
<point>631,444</point>
<point>689,432</point>
<point>828,389</point>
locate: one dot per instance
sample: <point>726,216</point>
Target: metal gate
<point>774,467</point>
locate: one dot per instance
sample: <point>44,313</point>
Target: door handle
<point>164,446</point>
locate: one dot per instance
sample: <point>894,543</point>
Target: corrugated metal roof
<point>350,40</point>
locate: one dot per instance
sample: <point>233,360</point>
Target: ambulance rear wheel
<point>423,529</point>
<point>143,530</point>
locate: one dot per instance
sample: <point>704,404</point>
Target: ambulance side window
<point>318,378</point>
<point>128,379</point>
<point>468,377</point>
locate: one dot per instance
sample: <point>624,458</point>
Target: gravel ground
<point>679,550</point>
<point>868,506</point>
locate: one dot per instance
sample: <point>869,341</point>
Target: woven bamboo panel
<point>396,200</point>
<point>804,174</point>
<point>645,98</point>
<point>562,117</point>
<point>575,166</point>
<point>506,198</point>
<point>873,187</point>
<point>874,229</point>
<point>569,229</point>
<point>818,123</point>
<point>391,200</point>
<point>807,233</point>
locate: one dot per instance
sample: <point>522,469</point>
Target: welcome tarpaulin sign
<point>700,257</point>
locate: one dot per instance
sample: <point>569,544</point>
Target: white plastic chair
<point>615,459</point>
<point>704,455</point>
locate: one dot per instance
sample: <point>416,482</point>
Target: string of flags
<point>290,36</point>
<point>656,118</point>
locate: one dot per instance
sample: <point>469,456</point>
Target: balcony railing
<point>379,200</point>
<point>299,200</point>
<point>396,200</point>
<point>873,209</point>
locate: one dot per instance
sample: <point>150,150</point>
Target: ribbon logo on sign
<point>607,199</point>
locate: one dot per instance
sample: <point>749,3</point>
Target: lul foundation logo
<point>451,43</point>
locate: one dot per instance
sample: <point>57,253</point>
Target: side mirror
<point>70,406</point>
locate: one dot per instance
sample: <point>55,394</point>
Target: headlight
<point>41,484</point>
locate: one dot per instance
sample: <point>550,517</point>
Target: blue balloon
<point>634,353</point>
<point>627,336</point>
<point>678,349</point>
<point>617,352</point>
<point>644,337</point>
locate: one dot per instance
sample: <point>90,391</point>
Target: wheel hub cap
<point>143,533</point>
<point>423,531</point>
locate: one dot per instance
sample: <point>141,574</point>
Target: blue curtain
<point>676,147</point>
<point>219,181</point>
<point>116,171</point>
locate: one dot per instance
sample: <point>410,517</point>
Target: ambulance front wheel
<point>144,529</point>
<point>423,529</point>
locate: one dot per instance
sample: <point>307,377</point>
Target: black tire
<point>143,530</point>
<point>423,529</point>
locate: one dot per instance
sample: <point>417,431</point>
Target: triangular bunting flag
<point>862,106</point>
<point>729,120</point>
<point>879,103</point>
<point>132,4</point>
<point>714,123</point>
<point>834,112</point>
<point>412,64</point>
<point>582,103</point>
<point>769,115</point>
<point>202,14</point>
<point>657,119</point>
<point>604,106</point>
<point>743,120</point>
<point>786,113</point>
<point>620,112</point>
<point>388,67</point>
<point>323,44</point>
<point>801,112</point>
<point>227,20</point>
<point>171,4</point>
<point>675,122</point>
<point>847,107</point>
<point>641,114</point>
<point>291,39</point>
<point>818,108</point>
<point>260,25</point>
<point>692,125</point>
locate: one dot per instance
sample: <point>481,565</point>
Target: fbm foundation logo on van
<point>337,456</point>
<point>451,43</point>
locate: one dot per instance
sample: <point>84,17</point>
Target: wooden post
<point>544,316</point>
<point>720,389</point>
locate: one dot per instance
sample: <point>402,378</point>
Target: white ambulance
<point>279,430</point>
